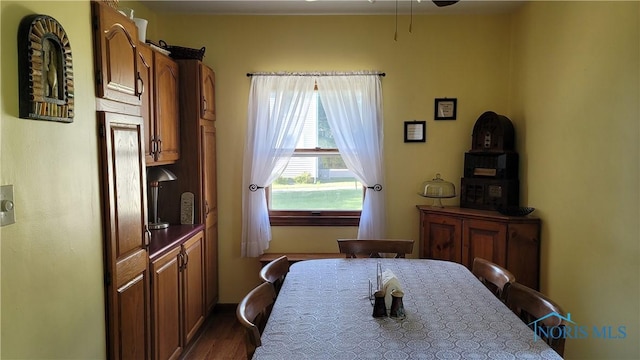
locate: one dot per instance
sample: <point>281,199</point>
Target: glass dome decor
<point>437,189</point>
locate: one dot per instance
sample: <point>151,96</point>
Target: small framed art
<point>415,131</point>
<point>445,109</point>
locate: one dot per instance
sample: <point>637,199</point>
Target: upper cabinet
<point>208,93</point>
<point>115,41</point>
<point>145,65</point>
<point>133,78</point>
<point>164,129</point>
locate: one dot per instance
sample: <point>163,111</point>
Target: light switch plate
<point>7,211</point>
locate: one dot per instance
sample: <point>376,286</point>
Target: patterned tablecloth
<point>323,312</point>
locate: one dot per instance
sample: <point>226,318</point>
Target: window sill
<point>287,220</point>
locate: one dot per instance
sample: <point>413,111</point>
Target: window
<point>316,188</point>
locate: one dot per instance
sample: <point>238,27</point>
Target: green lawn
<point>321,196</point>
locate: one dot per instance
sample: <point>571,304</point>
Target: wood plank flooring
<point>222,338</point>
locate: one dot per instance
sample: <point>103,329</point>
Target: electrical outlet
<point>7,211</point>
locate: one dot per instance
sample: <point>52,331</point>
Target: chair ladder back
<point>275,272</point>
<point>493,276</point>
<point>540,313</point>
<point>373,247</point>
<point>253,312</point>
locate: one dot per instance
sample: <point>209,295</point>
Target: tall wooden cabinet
<point>119,87</point>
<point>460,235</point>
<point>196,170</point>
<point>126,237</point>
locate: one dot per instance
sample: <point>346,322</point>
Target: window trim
<point>314,218</point>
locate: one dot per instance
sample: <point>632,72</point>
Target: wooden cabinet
<point>166,305</point>
<point>209,189</point>
<point>166,136</point>
<point>126,238</point>
<point>196,170</point>
<point>178,297</point>
<point>116,55</point>
<point>193,285</point>
<point>160,108</point>
<point>147,108</point>
<point>460,235</point>
<point>207,92</point>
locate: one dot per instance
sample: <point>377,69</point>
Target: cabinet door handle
<point>180,261</point>
<point>204,104</point>
<point>147,237</point>
<point>206,208</point>
<point>158,146</point>
<point>141,87</point>
<point>186,259</point>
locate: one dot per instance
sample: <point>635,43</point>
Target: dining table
<point>324,311</point>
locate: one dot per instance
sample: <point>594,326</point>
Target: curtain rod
<point>316,73</point>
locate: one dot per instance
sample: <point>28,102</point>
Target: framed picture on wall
<point>445,109</point>
<point>415,131</point>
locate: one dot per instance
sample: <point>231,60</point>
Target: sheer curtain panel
<point>353,105</point>
<point>278,106</point>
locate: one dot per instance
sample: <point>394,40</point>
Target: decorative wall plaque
<point>45,70</point>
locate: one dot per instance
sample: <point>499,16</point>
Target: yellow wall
<point>553,68</point>
<point>460,56</point>
<point>52,292</point>
<point>576,90</point>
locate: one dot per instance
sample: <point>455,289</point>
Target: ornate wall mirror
<point>45,70</point>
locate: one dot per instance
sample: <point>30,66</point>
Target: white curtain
<point>353,105</point>
<point>278,106</point>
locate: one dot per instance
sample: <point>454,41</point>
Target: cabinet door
<point>523,252</point>
<point>166,306</point>
<point>145,66</point>
<point>167,113</point>
<point>116,55</point>
<point>126,240</point>
<point>443,237</point>
<point>193,285</point>
<point>210,211</point>
<point>485,239</point>
<point>208,95</point>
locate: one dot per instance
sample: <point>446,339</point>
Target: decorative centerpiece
<point>438,189</point>
<point>387,296</point>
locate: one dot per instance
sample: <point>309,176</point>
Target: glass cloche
<point>437,189</point>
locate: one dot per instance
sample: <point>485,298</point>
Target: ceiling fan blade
<point>441,3</point>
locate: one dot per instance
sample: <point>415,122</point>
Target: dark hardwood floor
<point>222,337</point>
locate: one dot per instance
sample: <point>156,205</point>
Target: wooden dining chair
<point>493,276</point>
<point>539,313</point>
<point>372,248</point>
<point>275,271</point>
<point>252,313</point>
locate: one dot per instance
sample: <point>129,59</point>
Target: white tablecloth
<point>323,312</point>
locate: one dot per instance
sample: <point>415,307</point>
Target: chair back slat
<point>372,248</point>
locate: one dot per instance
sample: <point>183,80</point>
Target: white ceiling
<point>328,7</point>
